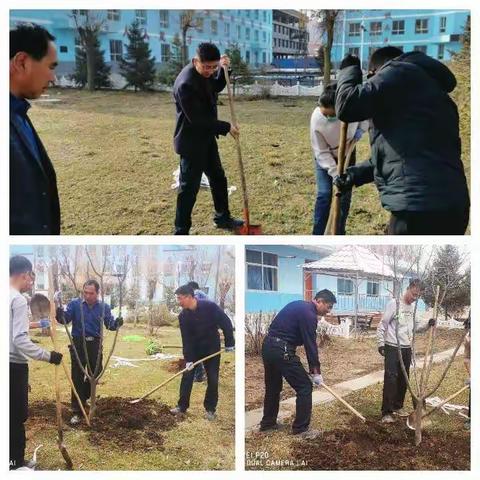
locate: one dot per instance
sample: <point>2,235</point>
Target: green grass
<point>193,444</point>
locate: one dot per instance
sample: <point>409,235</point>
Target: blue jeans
<point>324,200</point>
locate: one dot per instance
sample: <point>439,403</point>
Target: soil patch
<point>176,366</point>
<point>117,423</point>
<point>373,446</point>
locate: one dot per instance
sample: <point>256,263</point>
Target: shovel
<point>340,399</point>
<point>247,228</point>
<point>175,376</point>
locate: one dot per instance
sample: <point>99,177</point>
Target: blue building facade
<point>437,33</point>
<point>251,30</point>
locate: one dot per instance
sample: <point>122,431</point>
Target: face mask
<point>331,119</point>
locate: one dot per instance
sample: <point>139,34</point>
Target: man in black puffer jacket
<point>414,135</point>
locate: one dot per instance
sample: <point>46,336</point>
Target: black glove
<point>343,182</point>
<point>55,357</point>
<point>118,322</point>
<point>350,61</point>
<point>381,351</point>
<point>432,322</point>
<point>60,315</point>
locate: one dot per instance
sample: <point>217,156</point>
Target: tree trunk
<point>327,66</point>
<point>93,398</point>
<point>90,52</point>
<point>418,421</point>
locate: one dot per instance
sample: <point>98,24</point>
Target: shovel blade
<point>249,230</point>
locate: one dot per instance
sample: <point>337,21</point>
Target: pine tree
<point>102,70</point>
<point>138,67</point>
<point>240,71</point>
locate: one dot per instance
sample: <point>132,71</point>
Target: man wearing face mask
<point>34,203</point>
<point>325,138</point>
<point>197,127</point>
<point>415,142</point>
<point>293,326</point>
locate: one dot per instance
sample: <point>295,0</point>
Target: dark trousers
<point>212,368</point>
<point>18,413</point>
<point>448,222</point>
<point>82,384</point>
<point>280,361</point>
<point>191,169</point>
<point>394,383</point>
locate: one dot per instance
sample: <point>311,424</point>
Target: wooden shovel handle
<point>340,399</point>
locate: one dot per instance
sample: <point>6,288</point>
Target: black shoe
<point>180,231</point>
<point>272,428</point>
<point>229,223</point>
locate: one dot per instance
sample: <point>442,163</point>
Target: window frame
<point>262,265</point>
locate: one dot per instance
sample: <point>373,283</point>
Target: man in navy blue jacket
<point>197,127</point>
<point>34,204</point>
<point>199,324</point>
<point>294,325</point>
<point>91,311</point>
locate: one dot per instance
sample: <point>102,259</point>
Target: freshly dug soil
<point>176,366</point>
<point>373,446</point>
<point>117,423</point>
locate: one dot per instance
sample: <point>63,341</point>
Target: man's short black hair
<point>19,265</point>
<point>381,56</point>
<point>194,285</point>
<point>416,283</point>
<point>185,290</point>
<point>32,39</point>
<point>208,52</point>
<point>326,295</point>
<point>327,98</point>
<point>92,282</point>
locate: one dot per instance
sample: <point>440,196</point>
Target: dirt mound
<point>373,446</point>
<point>117,423</point>
<point>176,366</point>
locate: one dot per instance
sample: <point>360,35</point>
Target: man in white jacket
<point>21,349</point>
<point>325,139</point>
<point>396,329</point>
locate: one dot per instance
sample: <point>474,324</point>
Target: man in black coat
<point>415,143</point>
<point>197,127</point>
<point>34,203</point>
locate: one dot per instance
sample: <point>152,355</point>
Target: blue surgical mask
<point>331,119</point>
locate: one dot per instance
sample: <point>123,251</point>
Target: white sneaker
<point>387,419</point>
<point>210,416</point>
<point>75,420</point>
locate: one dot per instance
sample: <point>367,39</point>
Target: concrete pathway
<point>320,396</point>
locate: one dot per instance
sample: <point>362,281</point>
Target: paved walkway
<point>320,396</point>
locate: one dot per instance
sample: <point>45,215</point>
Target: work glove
<point>358,134</point>
<point>381,351</point>
<point>432,322</point>
<point>317,379</point>
<point>229,349</point>
<point>118,323</point>
<point>44,323</point>
<point>55,358</point>
<point>343,182</point>
<point>57,297</point>
<point>350,61</point>
<point>189,366</point>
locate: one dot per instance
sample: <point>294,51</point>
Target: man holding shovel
<point>200,321</point>
<point>197,127</point>
<point>294,325</point>
<point>21,350</point>
<point>90,310</point>
<point>392,331</point>
<point>415,142</point>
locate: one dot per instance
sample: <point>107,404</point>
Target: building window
<point>165,52</point>
<point>81,13</point>
<point>40,280</point>
<point>375,28</point>
<point>113,15</point>
<point>116,48</point>
<point>265,16</point>
<point>441,51</point>
<point>264,57</point>
<point>247,33</point>
<point>344,286</point>
<point>443,24</point>
<point>239,32</point>
<point>371,50</point>
<point>214,27</point>
<point>63,49</point>
<point>421,25</point>
<point>354,29</point>
<point>264,37</point>
<point>227,29</point>
<point>247,56</point>
<point>248,13</point>
<point>354,51</point>
<point>199,24</point>
<point>420,48</point>
<point>398,27</point>
<point>256,35</point>
<point>256,14</point>
<point>373,289</point>
<point>262,270</point>
<point>164,18</point>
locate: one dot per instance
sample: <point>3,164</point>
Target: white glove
<point>57,297</point>
<point>317,379</point>
<point>189,366</point>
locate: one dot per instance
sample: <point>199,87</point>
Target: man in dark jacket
<point>199,324</point>
<point>294,325</point>
<point>414,136</point>
<point>34,204</point>
<point>195,91</point>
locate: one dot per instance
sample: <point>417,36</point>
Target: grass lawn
<point>349,444</point>
<point>192,444</point>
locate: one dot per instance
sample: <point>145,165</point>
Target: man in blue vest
<point>34,203</point>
